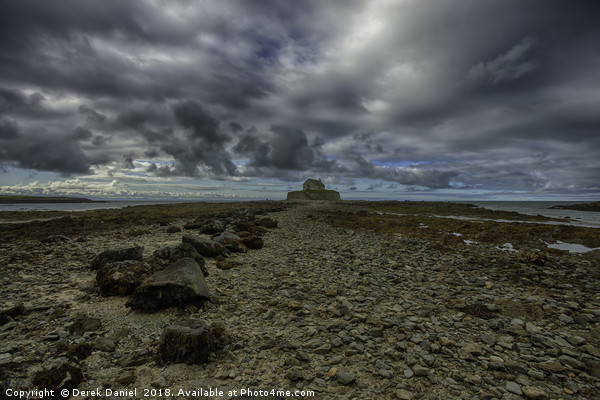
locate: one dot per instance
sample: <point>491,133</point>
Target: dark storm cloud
<point>91,114</point>
<point>281,150</point>
<point>200,150</point>
<point>349,89</point>
<point>46,153</point>
<point>8,130</point>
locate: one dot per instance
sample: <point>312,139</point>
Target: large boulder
<point>120,278</point>
<point>205,247</point>
<point>179,284</point>
<point>170,254</point>
<point>122,254</point>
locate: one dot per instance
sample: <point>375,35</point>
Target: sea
<point>589,219</point>
<point>568,217</point>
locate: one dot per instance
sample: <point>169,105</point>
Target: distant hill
<point>11,199</point>
<point>595,206</point>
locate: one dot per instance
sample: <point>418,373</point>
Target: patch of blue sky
<point>395,164</point>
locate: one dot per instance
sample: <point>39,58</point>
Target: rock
<point>212,226</point>
<point>576,340</point>
<point>58,375</point>
<point>470,351</point>
<point>345,378</point>
<point>79,352</point>
<point>533,392</point>
<point>122,254</point>
<point>420,370</point>
<point>170,254</point>
<point>179,284</point>
<point>126,377</point>
<point>294,375</point>
<point>231,241</point>
<point>513,387</point>
<point>550,366</point>
<point>225,264</point>
<point>205,247</point>
<point>82,324</point>
<point>187,342</point>
<point>10,313</point>
<point>159,382</point>
<point>253,242</point>
<point>267,222</point>
<point>173,229</point>
<point>403,394</point>
<point>565,319</point>
<point>104,344</point>
<point>572,362</point>
<point>120,278</point>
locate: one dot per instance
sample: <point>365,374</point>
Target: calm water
<point>579,218</point>
<point>79,206</point>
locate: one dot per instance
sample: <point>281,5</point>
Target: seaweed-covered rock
<point>82,324</point>
<point>267,222</point>
<point>120,278</point>
<point>212,226</point>
<point>191,342</point>
<point>205,247</point>
<point>58,375</point>
<point>170,254</point>
<point>185,342</point>
<point>231,241</point>
<point>122,254</point>
<point>12,312</point>
<point>179,284</point>
<point>225,264</point>
<point>253,242</point>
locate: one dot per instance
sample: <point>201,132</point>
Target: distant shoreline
<point>595,206</point>
<point>10,199</point>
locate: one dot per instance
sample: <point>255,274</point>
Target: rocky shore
<point>338,299</point>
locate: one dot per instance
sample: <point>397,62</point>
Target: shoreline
<point>340,300</point>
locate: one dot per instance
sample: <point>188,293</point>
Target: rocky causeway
<point>335,300</point>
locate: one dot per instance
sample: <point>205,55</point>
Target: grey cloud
<point>8,130</point>
<point>46,153</point>
<point>506,67</point>
<point>282,150</point>
<point>91,114</point>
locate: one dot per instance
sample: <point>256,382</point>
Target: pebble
<point>345,378</point>
<point>513,387</point>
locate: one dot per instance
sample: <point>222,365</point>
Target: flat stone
<point>565,318</point>
<point>576,340</point>
<point>513,387</point>
<point>533,392</point>
<point>403,394</point>
<point>179,284</point>
<point>551,366</point>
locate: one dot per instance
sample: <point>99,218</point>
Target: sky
<point>404,99</point>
